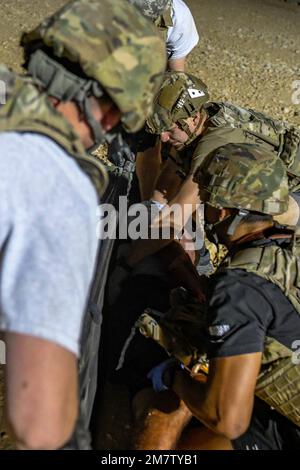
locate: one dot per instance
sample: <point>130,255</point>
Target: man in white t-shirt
<point>174,19</point>
<point>182,37</point>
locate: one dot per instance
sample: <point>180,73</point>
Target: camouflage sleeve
<point>213,138</point>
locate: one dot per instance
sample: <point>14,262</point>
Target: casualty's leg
<point>202,438</point>
<point>159,420</point>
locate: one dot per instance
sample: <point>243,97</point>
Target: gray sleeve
<point>48,242</point>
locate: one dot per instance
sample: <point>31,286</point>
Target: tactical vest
<point>283,137</point>
<point>258,127</point>
<point>278,383</point>
<point>164,22</point>
<point>26,109</point>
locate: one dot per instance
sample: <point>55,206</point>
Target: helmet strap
<point>193,134</point>
<point>186,129</point>
<point>236,221</point>
<point>211,230</point>
<point>96,127</point>
<point>67,86</point>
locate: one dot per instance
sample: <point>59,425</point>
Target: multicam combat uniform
<point>183,95</point>
<point>228,123</point>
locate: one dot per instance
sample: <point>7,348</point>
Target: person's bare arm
<point>41,392</point>
<point>157,181</point>
<point>181,271</point>
<point>187,201</point>
<point>148,167</point>
<point>168,183</point>
<point>225,402</point>
<point>177,65</point>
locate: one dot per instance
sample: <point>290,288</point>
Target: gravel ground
<point>249,54</point>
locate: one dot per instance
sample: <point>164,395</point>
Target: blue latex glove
<point>156,375</point>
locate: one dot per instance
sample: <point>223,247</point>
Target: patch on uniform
<point>194,93</point>
<point>218,330</point>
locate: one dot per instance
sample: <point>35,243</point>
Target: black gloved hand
<point>119,151</point>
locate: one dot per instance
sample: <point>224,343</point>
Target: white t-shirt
<point>182,36</point>
<point>48,239</point>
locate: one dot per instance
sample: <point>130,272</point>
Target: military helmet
<point>181,95</point>
<point>243,176</point>
<point>152,9</point>
<point>113,45</point>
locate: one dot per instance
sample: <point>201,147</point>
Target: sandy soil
<point>249,54</point>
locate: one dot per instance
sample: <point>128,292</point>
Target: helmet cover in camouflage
<point>113,44</point>
<point>152,9</point>
<point>243,176</point>
<point>181,95</point>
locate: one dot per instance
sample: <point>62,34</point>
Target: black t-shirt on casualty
<point>243,309</point>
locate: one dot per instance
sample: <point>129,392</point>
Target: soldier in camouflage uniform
<point>192,127</point>
<point>90,68</point>
<point>252,309</point>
